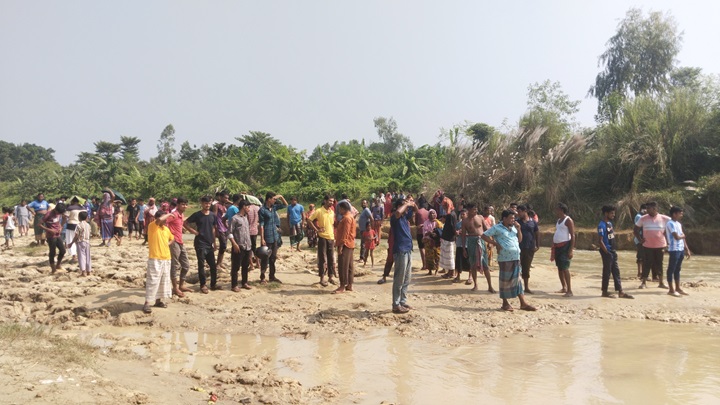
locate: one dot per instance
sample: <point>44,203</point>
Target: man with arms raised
<point>402,253</point>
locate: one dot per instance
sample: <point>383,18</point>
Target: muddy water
<point>594,362</point>
<point>588,262</point>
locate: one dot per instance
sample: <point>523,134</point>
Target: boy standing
<point>239,235</point>
<point>563,247</point>
<point>82,238</point>
<point>157,285</point>
<point>204,232</point>
<point>606,239</point>
<point>677,249</point>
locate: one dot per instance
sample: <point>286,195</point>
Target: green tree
<point>392,140</point>
<point>166,145</point>
<point>480,133</point>
<point>129,150</point>
<point>638,60</point>
<point>189,153</point>
<point>107,150</point>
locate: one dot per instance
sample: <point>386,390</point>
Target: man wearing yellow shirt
<point>325,218</point>
<point>157,284</point>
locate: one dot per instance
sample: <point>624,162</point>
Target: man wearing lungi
<point>507,237</point>
<point>474,246</point>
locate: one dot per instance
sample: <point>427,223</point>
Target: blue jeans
<point>674,266</point>
<point>402,277</point>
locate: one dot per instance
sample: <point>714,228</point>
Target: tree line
<point>657,137</point>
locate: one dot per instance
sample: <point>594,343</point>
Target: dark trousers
<point>652,259</point>
<point>269,260</point>
<point>237,260</point>
<point>326,256</point>
<point>526,259</point>
<point>206,254</point>
<point>610,266</point>
<point>389,264</point>
<point>461,262</point>
<point>346,266</point>
<point>56,244</point>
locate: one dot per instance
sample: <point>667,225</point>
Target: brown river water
<point>598,362</point>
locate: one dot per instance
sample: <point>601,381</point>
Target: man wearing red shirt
<point>177,249</point>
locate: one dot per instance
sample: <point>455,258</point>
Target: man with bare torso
<point>474,247</point>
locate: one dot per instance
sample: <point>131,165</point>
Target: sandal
<point>469,282</point>
<point>204,289</point>
<point>324,283</point>
<point>528,307</point>
<point>507,308</point>
<point>146,309</point>
<point>382,281</point>
<point>160,305</point>
<point>235,289</point>
<point>625,295</point>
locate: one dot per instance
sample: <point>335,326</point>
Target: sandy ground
<point>445,313</point>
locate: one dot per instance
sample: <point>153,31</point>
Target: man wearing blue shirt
<point>366,217</point>
<point>507,236</point>
<point>606,240</point>
<point>402,253</point>
<point>295,214</point>
<point>270,233</point>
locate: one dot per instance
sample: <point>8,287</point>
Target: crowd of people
<point>450,236</point>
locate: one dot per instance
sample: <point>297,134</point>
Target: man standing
<point>132,224</point>
<point>219,208</point>
<point>180,260</point>
<point>421,215</point>
<point>253,216</point>
<point>239,235</point>
<point>402,254</point>
<point>490,221</point>
<point>366,217</point>
<point>325,218</point>
<point>638,245</point>
<point>529,245</point>
<point>51,223</point>
<point>39,207</point>
<point>72,213</point>
<point>150,211</point>
<point>204,232</point>
<point>295,214</point>
<point>606,240</point>
<point>563,247</point>
<point>475,247</point>
<point>346,232</point>
<point>140,218</point>
<point>270,233</point>
<point>507,237</point>
<point>677,247</point>
<point>157,285</point>
<point>650,231</point>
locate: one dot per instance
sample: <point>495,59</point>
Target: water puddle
<point>593,362</point>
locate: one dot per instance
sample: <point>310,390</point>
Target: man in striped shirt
<point>650,231</point>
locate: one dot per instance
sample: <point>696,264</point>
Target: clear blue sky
<point>308,72</point>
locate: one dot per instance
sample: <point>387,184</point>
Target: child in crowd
<point>370,240</point>
<point>82,238</point>
<point>8,226</point>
